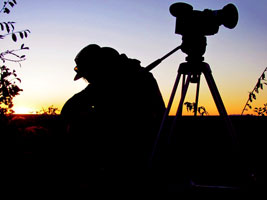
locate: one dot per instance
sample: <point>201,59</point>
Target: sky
<point>144,30</point>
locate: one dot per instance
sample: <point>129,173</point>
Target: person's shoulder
<point>136,71</point>
<point>145,73</point>
<point>82,94</point>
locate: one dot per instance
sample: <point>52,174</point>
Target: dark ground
<point>39,156</point>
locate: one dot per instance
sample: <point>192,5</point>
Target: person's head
<point>95,63</point>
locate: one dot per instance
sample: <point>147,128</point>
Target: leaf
<point>14,37</point>
<point>23,47</point>
<point>14,1</point>
<point>254,96</point>
<point>250,97</point>
<point>23,56</point>
<point>7,27</point>
<point>256,90</point>
<point>13,28</point>
<point>263,76</point>
<point>21,36</point>
<point>11,4</point>
<point>6,10</point>
<point>2,26</point>
<point>25,34</point>
<point>258,83</point>
<point>11,24</point>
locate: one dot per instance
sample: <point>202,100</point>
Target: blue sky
<point>143,30</point>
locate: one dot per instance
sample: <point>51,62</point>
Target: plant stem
<point>256,87</point>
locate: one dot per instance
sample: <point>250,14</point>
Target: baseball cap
<point>93,55</point>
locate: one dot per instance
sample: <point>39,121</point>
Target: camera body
<point>206,22</point>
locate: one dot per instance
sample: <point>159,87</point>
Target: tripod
<point>194,47</point>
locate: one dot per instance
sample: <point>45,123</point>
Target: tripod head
<point>195,47</point>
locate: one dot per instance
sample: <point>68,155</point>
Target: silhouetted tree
<point>8,78</point>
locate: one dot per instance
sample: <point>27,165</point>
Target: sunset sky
<point>142,29</point>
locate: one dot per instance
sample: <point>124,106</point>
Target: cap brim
<point>78,76</point>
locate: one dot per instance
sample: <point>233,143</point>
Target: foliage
<point>256,89</point>
<point>261,111</point>
<point>8,78</point>
<point>8,89</point>
<point>191,107</point>
<point>49,111</point>
<point>6,5</point>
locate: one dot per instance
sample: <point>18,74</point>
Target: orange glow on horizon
<point>212,110</point>
<point>23,110</point>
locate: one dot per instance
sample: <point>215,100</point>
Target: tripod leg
<point>219,103</point>
<point>215,94</point>
<point>183,86</point>
<point>172,94</point>
<point>165,117</point>
<point>184,90</point>
<point>197,96</point>
<point>179,110</point>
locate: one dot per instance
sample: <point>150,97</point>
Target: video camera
<point>206,22</point>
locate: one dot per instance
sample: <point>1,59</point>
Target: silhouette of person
<point>116,117</point>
